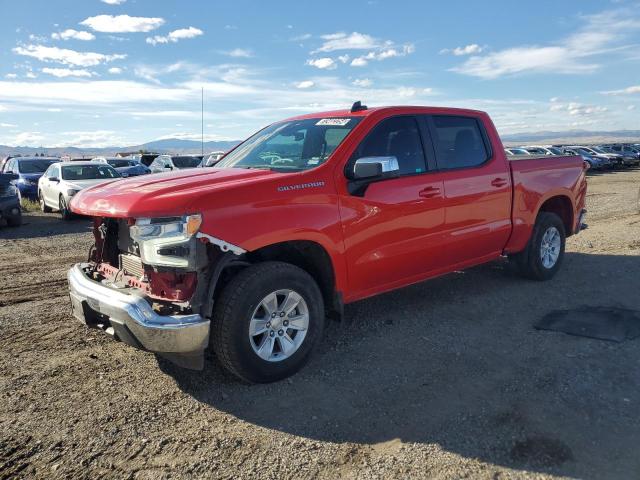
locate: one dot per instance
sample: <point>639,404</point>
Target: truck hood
<point>161,194</point>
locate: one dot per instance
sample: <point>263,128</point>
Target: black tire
<point>237,303</point>
<point>529,261</point>
<point>43,206</point>
<point>65,213</point>
<point>15,221</point>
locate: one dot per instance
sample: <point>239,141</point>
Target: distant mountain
<point>167,145</point>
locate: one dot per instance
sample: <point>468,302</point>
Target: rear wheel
<point>266,322</point>
<point>43,205</point>
<point>543,256</point>
<point>65,213</point>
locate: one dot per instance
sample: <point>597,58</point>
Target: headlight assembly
<point>166,241</point>
<point>178,228</point>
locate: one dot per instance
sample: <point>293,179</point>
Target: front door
<point>392,231</point>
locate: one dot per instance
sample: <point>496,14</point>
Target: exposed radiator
<point>131,265</point>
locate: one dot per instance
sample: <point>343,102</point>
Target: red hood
<point>162,194</point>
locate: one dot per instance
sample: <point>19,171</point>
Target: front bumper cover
<point>130,319</point>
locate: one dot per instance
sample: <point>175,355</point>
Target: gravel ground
<point>447,379</point>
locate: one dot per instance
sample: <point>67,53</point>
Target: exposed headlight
<point>178,228</point>
<point>166,241</point>
<point>72,191</point>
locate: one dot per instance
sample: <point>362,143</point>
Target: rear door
<point>477,188</point>
<point>391,229</point>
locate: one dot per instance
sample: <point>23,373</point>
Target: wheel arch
<point>309,255</point>
<point>562,206</point>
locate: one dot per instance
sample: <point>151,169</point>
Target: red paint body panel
<point>392,236</point>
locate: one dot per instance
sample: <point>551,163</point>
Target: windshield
<point>117,163</point>
<point>291,146</point>
<point>34,166</point>
<point>554,150</point>
<point>186,162</point>
<point>597,149</point>
<point>519,151</point>
<point>88,172</point>
<point>584,151</point>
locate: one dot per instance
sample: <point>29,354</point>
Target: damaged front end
<point>148,282</point>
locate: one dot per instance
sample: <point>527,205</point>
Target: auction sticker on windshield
<point>336,122</point>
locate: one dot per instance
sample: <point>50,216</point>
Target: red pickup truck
<point>309,214</point>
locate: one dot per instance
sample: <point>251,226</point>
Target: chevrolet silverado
<point>305,216</point>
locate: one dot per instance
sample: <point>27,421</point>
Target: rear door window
<point>458,142</point>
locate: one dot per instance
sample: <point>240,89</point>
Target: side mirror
<point>10,176</point>
<point>54,179</point>
<point>372,167</point>
<point>168,166</point>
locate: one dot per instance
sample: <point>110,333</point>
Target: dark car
<point>10,200</point>
<point>28,171</point>
<point>629,154</point>
<point>124,166</point>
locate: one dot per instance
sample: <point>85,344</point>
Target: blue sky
<point>123,72</point>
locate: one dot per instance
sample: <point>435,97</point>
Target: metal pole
<point>202,121</point>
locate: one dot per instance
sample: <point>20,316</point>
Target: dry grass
<point>29,205</point>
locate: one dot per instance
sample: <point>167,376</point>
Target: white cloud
<point>631,107</point>
<point>305,84</point>
<point>362,82</point>
<point>11,75</point>
<point>324,63</point>
<point>352,41</point>
<point>344,58</point>
<point>175,36</point>
<point>7,125</point>
<point>624,91</point>
<point>115,70</point>
<point>113,2</point>
<point>65,56</point>
<point>382,55</point>
<point>466,50</point>
<point>599,34</point>
<point>122,23</point>
<point>70,33</point>
<point>30,74</point>
<point>239,53</point>
<point>91,93</point>
<point>67,72</point>
<point>578,109</point>
<point>28,139</point>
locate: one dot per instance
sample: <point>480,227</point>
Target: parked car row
<point>599,157</point>
<point>53,181</point>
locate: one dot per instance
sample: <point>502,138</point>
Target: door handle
<point>429,192</point>
<point>498,182</point>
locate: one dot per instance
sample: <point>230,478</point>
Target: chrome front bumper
<point>130,319</point>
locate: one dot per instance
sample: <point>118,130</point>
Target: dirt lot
<point>446,379</point>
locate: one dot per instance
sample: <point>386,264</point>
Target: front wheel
<point>266,322</point>
<point>65,213</point>
<point>543,256</point>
